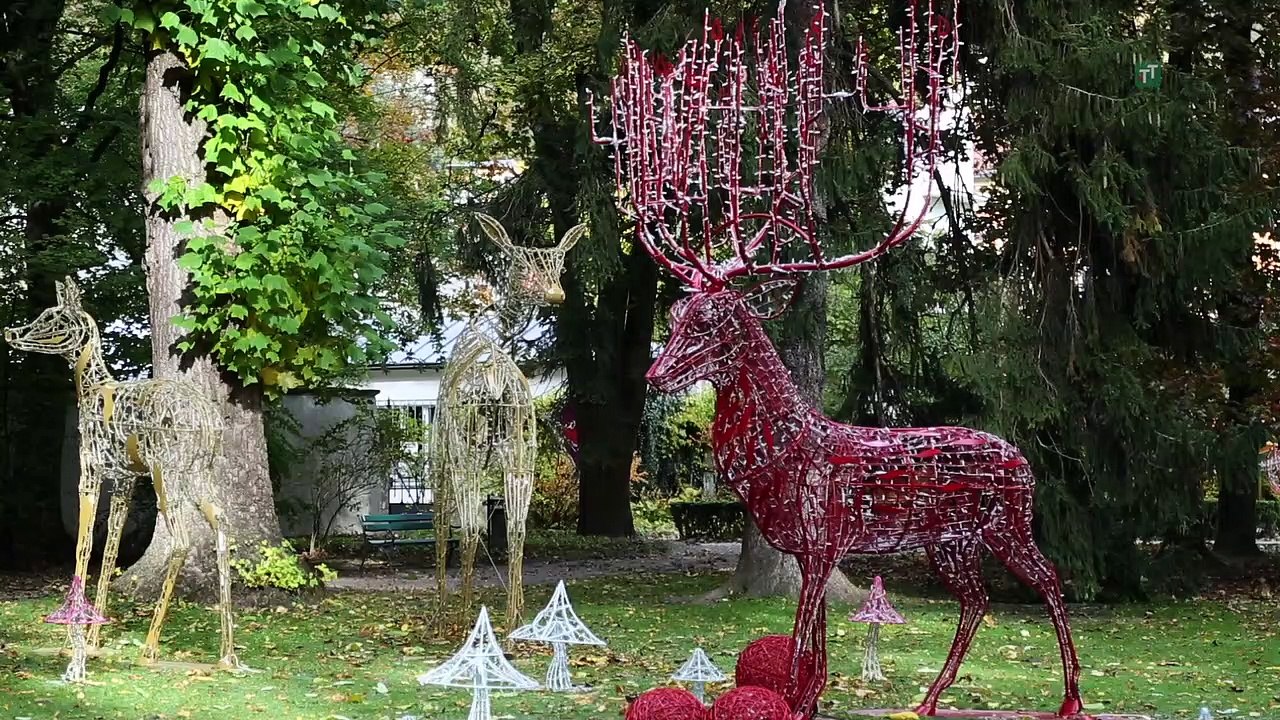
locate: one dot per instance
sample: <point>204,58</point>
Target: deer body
<point>159,428</point>
<point>819,490</point>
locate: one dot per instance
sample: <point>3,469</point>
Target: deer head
<point>534,274</point>
<point>62,329</point>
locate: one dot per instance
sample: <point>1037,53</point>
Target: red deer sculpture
<point>716,162</point>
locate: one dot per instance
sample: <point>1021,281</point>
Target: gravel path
<point>678,558</point>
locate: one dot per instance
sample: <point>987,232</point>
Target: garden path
<point>674,558</point>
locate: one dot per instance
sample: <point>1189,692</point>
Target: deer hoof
<point>1071,707</point>
<point>927,709</point>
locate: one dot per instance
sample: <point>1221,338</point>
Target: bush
<point>716,520</point>
<point>554,504</point>
<point>1268,516</point>
<point>278,567</point>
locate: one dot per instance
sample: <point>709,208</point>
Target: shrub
<point>708,520</point>
<point>278,567</point>
<point>554,505</point>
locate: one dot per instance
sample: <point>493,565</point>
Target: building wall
<point>297,494</point>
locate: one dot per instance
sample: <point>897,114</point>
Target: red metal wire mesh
<point>667,704</point>
<point>751,703</point>
<point>766,663</point>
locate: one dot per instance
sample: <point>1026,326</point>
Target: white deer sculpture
<point>485,433</point>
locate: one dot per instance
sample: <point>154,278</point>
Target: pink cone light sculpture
<point>876,611</point>
<point>76,613</point>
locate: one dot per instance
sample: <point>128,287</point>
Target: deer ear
<point>572,237</point>
<point>59,291</point>
<point>495,231</point>
<point>771,298</point>
<point>69,293</point>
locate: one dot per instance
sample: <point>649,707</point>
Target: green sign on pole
<point>1148,74</point>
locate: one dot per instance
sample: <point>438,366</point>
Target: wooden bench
<point>387,531</point>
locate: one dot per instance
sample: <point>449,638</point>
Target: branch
<point>75,59</point>
<point>95,93</point>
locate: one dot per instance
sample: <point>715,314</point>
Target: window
<point>410,486</point>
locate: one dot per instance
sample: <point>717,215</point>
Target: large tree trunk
<point>1243,434</point>
<point>609,395</point>
<point>763,571</point>
<point>171,147</point>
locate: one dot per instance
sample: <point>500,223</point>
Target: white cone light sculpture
<point>480,667</point>
<point>559,626</point>
<point>699,670</point>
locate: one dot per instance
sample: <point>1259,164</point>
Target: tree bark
<point>1243,434</point>
<point>171,142</point>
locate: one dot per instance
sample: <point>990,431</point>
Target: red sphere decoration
<point>667,704</point>
<point>751,703</point>
<point>766,663</point>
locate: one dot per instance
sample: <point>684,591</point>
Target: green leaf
<point>246,33</point>
<point>187,37</point>
<point>250,8</point>
<point>216,49</point>
<point>231,92</point>
<point>170,20</point>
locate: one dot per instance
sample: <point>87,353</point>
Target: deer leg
<point>179,545</point>
<point>959,566</point>
<point>1017,549</point>
<point>227,650</point>
<point>121,501</point>
<point>809,660</point>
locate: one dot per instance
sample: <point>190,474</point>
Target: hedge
<point>715,520</point>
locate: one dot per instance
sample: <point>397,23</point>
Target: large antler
<point>717,160</point>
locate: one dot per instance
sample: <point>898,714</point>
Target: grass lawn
<point>335,658</point>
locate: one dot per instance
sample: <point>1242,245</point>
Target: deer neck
<point>88,367</point>
<point>759,411</point>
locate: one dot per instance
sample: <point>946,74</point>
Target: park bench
<point>389,531</point>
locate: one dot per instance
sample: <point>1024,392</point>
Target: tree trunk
<point>1243,435</point>
<point>762,570</point>
<point>171,147</point>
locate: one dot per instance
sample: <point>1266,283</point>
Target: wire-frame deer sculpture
<point>484,437</point>
<point>1271,466</point>
<point>161,428</point>
<point>715,157</point>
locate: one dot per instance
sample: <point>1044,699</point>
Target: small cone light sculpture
<point>76,613</point>
<point>480,667</point>
<point>876,611</point>
<point>559,626</point>
<point>699,670</point>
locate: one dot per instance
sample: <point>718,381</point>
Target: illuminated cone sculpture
<point>876,611</point>
<point>76,613</point>
<point>480,667</point>
<point>559,626</point>
<point>699,670</point>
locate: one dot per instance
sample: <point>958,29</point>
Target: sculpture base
<point>993,715</point>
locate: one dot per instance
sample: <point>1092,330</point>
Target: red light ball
<point>667,704</point>
<point>751,703</point>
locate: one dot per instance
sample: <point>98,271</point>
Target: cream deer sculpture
<point>485,432</point>
<point>159,428</point>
